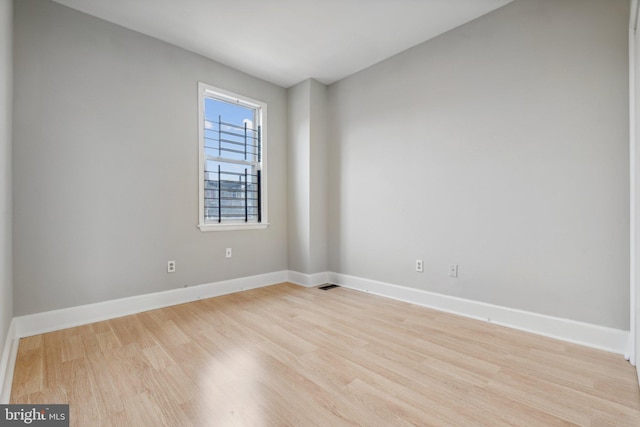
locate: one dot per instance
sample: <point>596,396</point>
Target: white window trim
<point>203,90</point>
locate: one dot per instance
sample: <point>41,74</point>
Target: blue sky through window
<point>232,164</point>
<point>227,138</point>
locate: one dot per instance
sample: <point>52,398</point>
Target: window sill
<point>232,227</point>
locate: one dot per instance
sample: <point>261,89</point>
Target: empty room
<point>319,212</point>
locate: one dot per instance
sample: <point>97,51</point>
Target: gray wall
<point>501,146</point>
<point>299,139</point>
<point>6,286</point>
<point>106,162</point>
<point>319,171</point>
<point>307,176</point>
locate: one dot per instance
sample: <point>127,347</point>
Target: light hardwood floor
<point>291,356</point>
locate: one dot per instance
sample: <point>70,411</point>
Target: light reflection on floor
<point>235,388</point>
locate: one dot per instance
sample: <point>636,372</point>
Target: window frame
<point>208,91</point>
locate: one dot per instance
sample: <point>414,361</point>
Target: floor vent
<point>327,287</point>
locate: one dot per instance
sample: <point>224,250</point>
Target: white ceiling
<point>288,41</point>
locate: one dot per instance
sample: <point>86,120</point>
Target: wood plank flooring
<point>290,356</point>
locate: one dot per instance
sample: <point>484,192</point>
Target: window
<point>232,173</point>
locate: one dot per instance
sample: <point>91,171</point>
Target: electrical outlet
<point>171,266</point>
<point>453,270</point>
<point>419,266</point>
<point>228,253</point>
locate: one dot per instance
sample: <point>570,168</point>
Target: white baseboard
<point>8,363</point>
<point>48,321</point>
<point>595,336</point>
<point>39,323</point>
<point>308,280</point>
<point>609,339</point>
